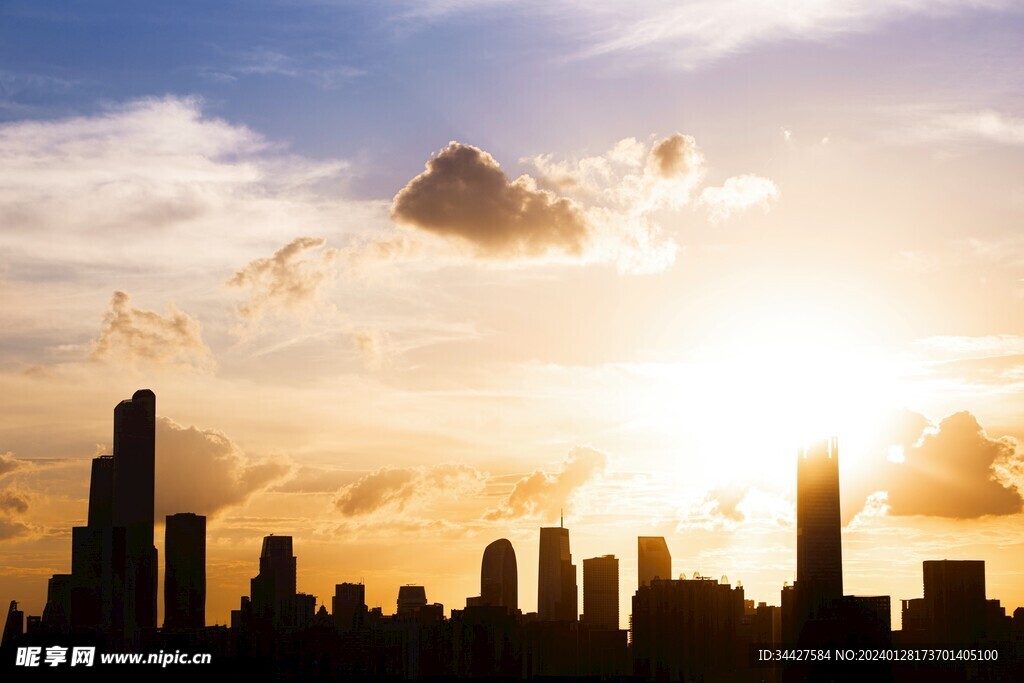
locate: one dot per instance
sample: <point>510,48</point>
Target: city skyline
<point>412,277</point>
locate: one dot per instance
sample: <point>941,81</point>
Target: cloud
<point>542,494</point>
<point>394,488</point>
<point>203,471</point>
<point>132,334</point>
<point>693,34</point>
<point>12,528</point>
<point>953,472</point>
<point>676,156</point>
<point>465,194</point>
<point>12,502</point>
<point>723,501</point>
<point>9,463</point>
<point>321,70</point>
<point>373,347</point>
<point>292,280</point>
<point>738,194</point>
<point>937,125</point>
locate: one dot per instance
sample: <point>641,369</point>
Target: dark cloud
<point>12,502</point>
<point>203,471</point>
<point>131,334</point>
<point>290,280</point>
<point>543,494</point>
<point>465,194</point>
<point>950,473</point>
<point>12,528</point>
<point>676,156</point>
<point>8,463</point>
<point>395,487</point>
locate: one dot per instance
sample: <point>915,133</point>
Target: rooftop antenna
<point>561,518</point>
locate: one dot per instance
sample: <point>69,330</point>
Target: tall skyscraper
<point>601,592</point>
<point>954,600</point>
<point>185,571</point>
<point>557,594</point>
<point>819,549</point>
<point>101,492</point>
<point>499,580</point>
<point>654,561</point>
<point>134,485</point>
<point>273,590</point>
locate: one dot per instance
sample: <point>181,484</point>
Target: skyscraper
<point>101,492</point>
<point>499,581</point>
<point>273,590</point>
<point>654,561</point>
<point>185,571</point>
<point>954,600</point>
<point>819,550</point>
<point>134,473</point>
<point>557,594</point>
<point>601,592</point>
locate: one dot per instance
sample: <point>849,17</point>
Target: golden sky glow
<point>627,280</point>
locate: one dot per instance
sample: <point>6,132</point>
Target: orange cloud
<point>395,487</point>
<point>543,494</point>
<point>132,334</point>
<point>286,281</point>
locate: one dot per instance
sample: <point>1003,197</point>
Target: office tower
<point>134,471</point>
<point>273,590</point>
<point>499,581</point>
<point>601,592</point>
<point>819,551</point>
<point>954,600</point>
<point>556,582</point>
<point>14,627</point>
<point>687,630</point>
<point>185,571</point>
<point>57,612</point>
<point>99,568</point>
<point>411,599</point>
<point>654,561</point>
<point>101,492</point>
<point>348,606</point>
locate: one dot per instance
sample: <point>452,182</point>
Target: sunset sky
<point>410,277</point>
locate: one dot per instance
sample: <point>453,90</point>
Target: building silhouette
<point>954,600</point>
<point>819,552</point>
<point>687,630</point>
<point>411,599</point>
<point>654,561</point>
<point>348,606</point>
<point>557,593</point>
<point>134,486</point>
<point>601,592</point>
<point>499,579</point>
<point>101,492</point>
<point>273,589</point>
<point>185,571</point>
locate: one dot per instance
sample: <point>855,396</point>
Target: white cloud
<point>737,194</point>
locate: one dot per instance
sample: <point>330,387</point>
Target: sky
<point>409,277</point>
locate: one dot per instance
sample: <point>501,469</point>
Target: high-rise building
<point>57,612</point>
<point>499,581</point>
<point>654,561</point>
<point>687,630</point>
<point>954,600</point>
<point>819,550</point>
<point>14,626</point>
<point>185,571</point>
<point>101,492</point>
<point>134,484</point>
<point>601,592</point>
<point>348,606</point>
<point>273,590</point>
<point>411,599</point>
<point>557,593</point>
